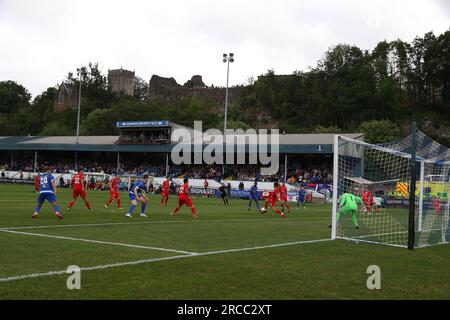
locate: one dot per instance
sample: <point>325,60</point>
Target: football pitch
<point>227,253</point>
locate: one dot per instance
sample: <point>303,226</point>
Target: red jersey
<point>183,192</point>
<point>366,197</point>
<point>206,184</point>
<point>165,185</point>
<point>283,191</point>
<point>77,181</point>
<point>114,184</point>
<point>274,195</point>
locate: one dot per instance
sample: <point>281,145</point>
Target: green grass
<point>322,270</point>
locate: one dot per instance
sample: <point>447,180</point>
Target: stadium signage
<point>200,191</point>
<point>142,124</point>
<point>18,181</point>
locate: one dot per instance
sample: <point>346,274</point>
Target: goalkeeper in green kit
<point>349,205</point>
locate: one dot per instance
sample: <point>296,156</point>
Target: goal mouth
<point>413,187</point>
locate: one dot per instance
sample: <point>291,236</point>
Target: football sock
<point>118,202</point>
<point>355,222</point>
<point>131,208</point>
<point>143,206</point>
<point>193,210</point>
<point>71,204</point>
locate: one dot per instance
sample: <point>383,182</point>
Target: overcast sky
<point>41,41</point>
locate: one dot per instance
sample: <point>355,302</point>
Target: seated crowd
<point>296,173</point>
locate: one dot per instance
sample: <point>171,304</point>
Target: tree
<point>141,89</point>
<point>13,96</point>
<point>379,131</point>
<point>55,129</point>
<point>321,129</point>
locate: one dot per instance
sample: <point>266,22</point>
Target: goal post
<point>402,202</point>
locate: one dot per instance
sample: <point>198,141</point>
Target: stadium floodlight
<point>79,72</point>
<point>227,58</point>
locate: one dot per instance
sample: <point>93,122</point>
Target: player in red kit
<point>273,198</point>
<point>36,183</point>
<point>113,192</point>
<point>283,198</point>
<point>206,185</point>
<point>367,199</point>
<point>77,184</point>
<point>183,199</point>
<point>165,192</point>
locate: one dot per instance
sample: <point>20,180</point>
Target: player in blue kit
<point>253,196</point>
<point>137,193</point>
<point>47,191</point>
<point>301,197</point>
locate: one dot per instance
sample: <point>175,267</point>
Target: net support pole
<point>412,189</point>
<point>285,167</point>
<point>167,164</point>
<point>118,163</point>
<point>335,186</point>
<point>35,161</point>
<point>422,178</point>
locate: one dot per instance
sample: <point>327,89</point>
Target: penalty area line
<point>99,242</point>
<point>156,222</point>
<point>146,261</point>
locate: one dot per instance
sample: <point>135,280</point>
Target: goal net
<point>380,176</point>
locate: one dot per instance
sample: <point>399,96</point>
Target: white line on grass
<point>98,242</point>
<point>155,222</point>
<point>138,262</point>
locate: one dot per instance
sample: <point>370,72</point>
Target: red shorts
<point>273,203</point>
<point>283,198</point>
<point>185,201</point>
<point>114,194</point>
<point>164,193</point>
<point>78,193</point>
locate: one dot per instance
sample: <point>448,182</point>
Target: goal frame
<point>416,214</point>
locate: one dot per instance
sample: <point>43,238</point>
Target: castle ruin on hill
<point>167,90</point>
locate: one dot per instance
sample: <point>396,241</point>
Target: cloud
<point>42,40</point>
<point>445,5</point>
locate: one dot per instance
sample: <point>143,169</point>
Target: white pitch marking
<point>97,242</point>
<point>133,263</point>
<point>155,222</point>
